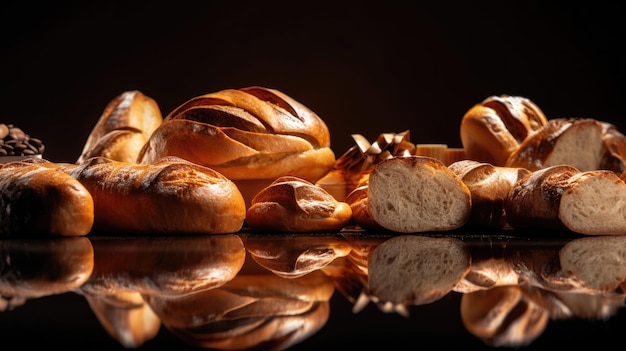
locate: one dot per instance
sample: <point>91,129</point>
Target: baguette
<point>493,129</point>
<point>168,196</point>
<point>417,194</point>
<point>292,204</point>
<point>39,201</point>
<point>489,186</point>
<point>123,128</point>
<point>562,197</point>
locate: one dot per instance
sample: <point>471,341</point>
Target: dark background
<point>364,68</point>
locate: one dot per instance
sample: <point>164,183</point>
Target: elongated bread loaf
<point>37,200</point>
<point>169,196</point>
<point>292,204</point>
<point>562,197</point>
<point>584,143</point>
<point>123,128</point>
<point>489,186</point>
<point>493,129</point>
<point>417,194</point>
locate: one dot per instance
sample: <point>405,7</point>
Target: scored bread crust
<point>292,204</point>
<point>417,194</point>
<point>168,196</point>
<point>248,133</point>
<point>489,186</point>
<point>123,128</point>
<point>491,130</point>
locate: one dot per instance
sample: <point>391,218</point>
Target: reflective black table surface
<point>477,290</point>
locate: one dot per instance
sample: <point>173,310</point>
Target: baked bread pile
<point>256,156</point>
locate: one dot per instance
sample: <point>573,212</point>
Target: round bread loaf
<point>493,129</point>
<point>247,134</point>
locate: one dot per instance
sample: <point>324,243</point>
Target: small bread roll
<point>123,128</point>
<point>357,199</point>
<point>292,204</point>
<point>434,265</point>
<point>417,194</point>
<point>489,186</point>
<point>493,129</point>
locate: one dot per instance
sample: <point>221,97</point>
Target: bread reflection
<point>31,269</point>
<point>295,255</point>
<point>127,269</point>
<point>254,310</point>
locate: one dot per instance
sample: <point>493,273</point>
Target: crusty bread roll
<point>168,196</point>
<point>292,204</point>
<point>123,128</point>
<point>598,263</point>
<point>253,133</point>
<point>416,270</point>
<point>417,194</point>
<point>562,197</point>
<point>584,143</point>
<point>491,130</point>
<point>37,200</point>
<point>296,255</point>
<point>489,186</point>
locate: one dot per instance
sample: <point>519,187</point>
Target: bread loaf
<point>584,143</point>
<point>37,200</point>
<point>292,204</point>
<point>493,129</point>
<point>168,196</point>
<point>489,186</point>
<point>123,128</point>
<point>247,134</point>
<point>357,199</point>
<point>562,197</point>
<point>417,194</point>
<point>416,270</point>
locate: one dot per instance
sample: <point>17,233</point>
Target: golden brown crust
<point>37,200</point>
<point>534,200</point>
<point>492,130</point>
<point>292,204</point>
<point>168,196</point>
<point>357,199</point>
<point>248,133</point>
<point>489,186</point>
<point>123,128</point>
